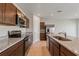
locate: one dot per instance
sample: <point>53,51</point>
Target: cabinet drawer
<point>66,52</point>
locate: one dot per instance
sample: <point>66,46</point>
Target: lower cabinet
<point>15,50</point>
<point>57,49</point>
<point>53,47</point>
<point>18,51</point>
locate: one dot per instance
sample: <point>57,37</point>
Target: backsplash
<point>4,30</point>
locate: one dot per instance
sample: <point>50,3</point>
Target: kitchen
<point>28,28</point>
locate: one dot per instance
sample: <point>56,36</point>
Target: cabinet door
<point>10,14</point>
<point>56,51</point>
<point>1,13</point>
<point>19,51</point>
<point>51,49</point>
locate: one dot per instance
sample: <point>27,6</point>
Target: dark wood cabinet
<point>15,50</point>
<point>51,48</point>
<point>42,25</point>
<point>1,13</point>
<point>57,49</point>
<point>54,47</point>
<point>42,31</point>
<point>9,14</point>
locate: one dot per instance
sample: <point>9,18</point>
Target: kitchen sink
<point>61,38</point>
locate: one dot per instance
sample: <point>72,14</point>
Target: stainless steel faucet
<point>63,33</point>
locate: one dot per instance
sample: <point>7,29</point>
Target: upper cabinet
<point>1,13</point>
<point>7,14</point>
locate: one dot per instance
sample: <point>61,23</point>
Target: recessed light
<point>59,11</point>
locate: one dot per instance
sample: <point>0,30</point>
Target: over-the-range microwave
<point>20,22</point>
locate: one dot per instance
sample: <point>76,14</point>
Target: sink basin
<point>61,38</point>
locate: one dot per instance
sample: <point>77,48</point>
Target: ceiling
<point>50,10</point>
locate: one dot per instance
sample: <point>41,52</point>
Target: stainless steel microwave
<point>20,22</point>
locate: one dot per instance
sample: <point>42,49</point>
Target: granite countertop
<point>8,42</point>
<point>72,45</point>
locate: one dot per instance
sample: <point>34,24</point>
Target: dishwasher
<point>26,45</point>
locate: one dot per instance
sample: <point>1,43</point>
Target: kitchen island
<point>62,48</point>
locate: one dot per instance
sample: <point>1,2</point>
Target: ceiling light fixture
<point>59,11</point>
